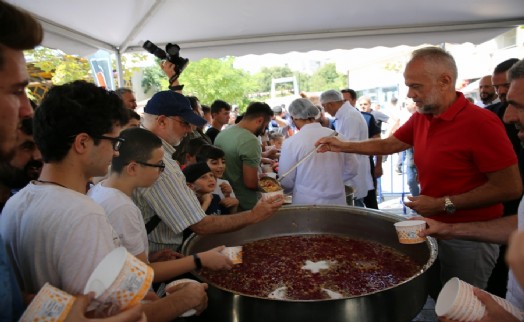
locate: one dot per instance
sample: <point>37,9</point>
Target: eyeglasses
<point>161,166</point>
<point>506,85</point>
<point>117,142</point>
<point>183,123</point>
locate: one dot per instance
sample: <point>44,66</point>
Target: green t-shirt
<point>240,147</point>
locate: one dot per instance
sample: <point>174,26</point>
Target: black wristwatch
<point>449,207</point>
<point>198,261</point>
<point>176,87</point>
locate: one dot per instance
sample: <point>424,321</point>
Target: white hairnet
<point>331,96</point>
<point>303,109</point>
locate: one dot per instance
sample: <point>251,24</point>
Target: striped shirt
<point>170,199</point>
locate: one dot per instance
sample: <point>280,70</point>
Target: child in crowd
<point>276,140</point>
<point>202,181</point>
<point>191,151</point>
<point>139,164</point>
<point>214,157</point>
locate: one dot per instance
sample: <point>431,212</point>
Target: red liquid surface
<point>356,267</point>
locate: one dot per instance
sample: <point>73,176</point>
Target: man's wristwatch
<point>198,262</point>
<point>449,207</point>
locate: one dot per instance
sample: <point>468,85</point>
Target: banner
<point>102,70</point>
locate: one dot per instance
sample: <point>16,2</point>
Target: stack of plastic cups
<point>456,301</point>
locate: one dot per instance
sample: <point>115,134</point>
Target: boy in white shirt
<point>139,164</point>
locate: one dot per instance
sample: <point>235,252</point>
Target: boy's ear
<point>131,168</point>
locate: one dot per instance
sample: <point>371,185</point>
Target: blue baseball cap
<point>171,103</point>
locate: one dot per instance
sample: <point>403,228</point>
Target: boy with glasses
<point>139,164</point>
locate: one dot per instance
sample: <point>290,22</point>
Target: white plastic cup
<point>182,281</point>
<point>266,168</point>
<point>119,281</point>
<point>456,301</point>
<point>49,304</point>
<point>407,231</point>
<point>234,253</point>
<point>267,195</point>
<point>271,174</point>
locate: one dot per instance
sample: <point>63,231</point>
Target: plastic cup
<point>456,301</point>
<point>182,281</point>
<point>120,280</point>
<point>271,174</point>
<point>49,304</point>
<point>234,254</point>
<point>407,231</point>
<point>267,195</point>
<point>266,168</point>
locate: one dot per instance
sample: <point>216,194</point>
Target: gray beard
<point>426,109</point>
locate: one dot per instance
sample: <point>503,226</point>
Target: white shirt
<point>124,216</point>
<point>319,179</point>
<point>515,294</point>
<point>56,235</point>
<point>351,124</point>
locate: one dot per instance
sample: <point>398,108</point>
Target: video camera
<point>171,54</point>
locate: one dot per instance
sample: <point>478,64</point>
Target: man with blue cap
<point>169,206</point>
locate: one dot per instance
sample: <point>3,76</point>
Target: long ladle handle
<point>307,156</point>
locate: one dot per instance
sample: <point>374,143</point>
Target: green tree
<point>327,77</point>
<point>129,65</point>
<point>266,75</point>
<point>211,79</point>
<point>154,79</point>
<point>304,81</point>
<point>64,68</point>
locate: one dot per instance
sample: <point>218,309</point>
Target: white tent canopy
<point>209,28</point>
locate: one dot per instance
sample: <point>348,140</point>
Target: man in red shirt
<point>466,163</point>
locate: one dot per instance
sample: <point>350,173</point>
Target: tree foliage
<point>67,68</point>
<point>267,74</point>
<point>154,79</point>
<point>211,79</point>
<point>63,68</point>
<point>327,77</point>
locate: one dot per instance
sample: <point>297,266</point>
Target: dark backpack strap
<point>152,223</point>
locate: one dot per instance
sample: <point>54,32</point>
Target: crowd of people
<point>83,173</point>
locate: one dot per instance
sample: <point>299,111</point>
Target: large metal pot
<point>399,303</point>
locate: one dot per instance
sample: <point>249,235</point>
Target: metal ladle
<point>307,156</point>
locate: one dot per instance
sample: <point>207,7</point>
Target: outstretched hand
<point>77,312</point>
<point>330,144</point>
<point>168,68</point>
<point>266,208</point>
<point>215,260</point>
<point>435,228</point>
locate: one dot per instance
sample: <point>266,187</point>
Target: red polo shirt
<point>454,151</point>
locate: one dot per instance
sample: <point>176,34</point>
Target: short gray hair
<point>303,109</point>
<point>331,96</point>
<point>437,56</point>
<point>516,71</point>
<point>122,90</point>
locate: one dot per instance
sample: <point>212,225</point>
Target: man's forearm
<point>492,231</point>
<point>375,146</point>
<point>502,186</point>
<point>220,224</point>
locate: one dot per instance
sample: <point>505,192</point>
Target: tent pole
<point>119,71</point>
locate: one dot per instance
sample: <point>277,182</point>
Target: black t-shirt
<point>212,134</point>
